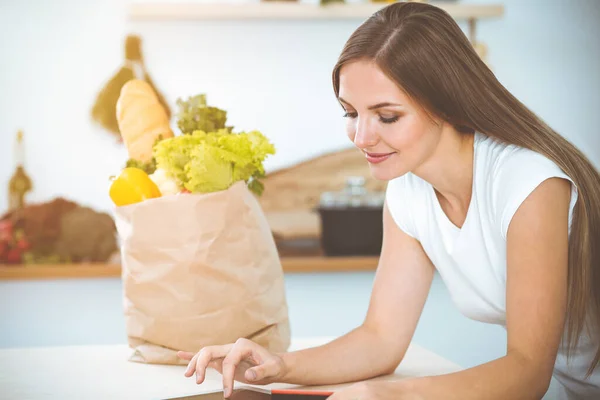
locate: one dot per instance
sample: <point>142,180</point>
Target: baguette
<point>142,119</point>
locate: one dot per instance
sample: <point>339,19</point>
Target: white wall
<point>272,76</point>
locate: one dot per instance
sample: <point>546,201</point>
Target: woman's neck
<point>450,169</point>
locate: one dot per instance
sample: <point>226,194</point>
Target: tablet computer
<point>252,393</point>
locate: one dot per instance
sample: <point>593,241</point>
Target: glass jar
<point>354,194</point>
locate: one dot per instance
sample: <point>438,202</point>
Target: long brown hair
<point>425,52</point>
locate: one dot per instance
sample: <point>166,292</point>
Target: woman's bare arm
<point>376,347</point>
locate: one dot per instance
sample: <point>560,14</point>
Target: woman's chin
<point>384,173</point>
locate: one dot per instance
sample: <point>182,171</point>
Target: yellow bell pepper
<point>133,185</point>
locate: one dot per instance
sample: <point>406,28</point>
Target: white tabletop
<point>104,372</point>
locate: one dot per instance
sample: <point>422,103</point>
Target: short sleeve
<point>517,176</point>
<point>398,198</point>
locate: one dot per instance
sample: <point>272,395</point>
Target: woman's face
<point>394,133</point>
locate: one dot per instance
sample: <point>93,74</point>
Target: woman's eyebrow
<point>343,101</point>
<point>384,104</point>
<point>375,106</point>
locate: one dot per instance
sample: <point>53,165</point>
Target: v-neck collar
<point>438,207</point>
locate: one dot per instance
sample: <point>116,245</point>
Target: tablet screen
<point>257,394</point>
<point>238,394</point>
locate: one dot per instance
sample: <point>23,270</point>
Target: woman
<point>480,189</point>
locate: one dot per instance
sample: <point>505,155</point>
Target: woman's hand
<point>376,390</point>
<point>243,361</point>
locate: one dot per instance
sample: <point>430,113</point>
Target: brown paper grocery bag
<point>199,270</point>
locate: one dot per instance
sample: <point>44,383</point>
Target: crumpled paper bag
<point>200,270</point>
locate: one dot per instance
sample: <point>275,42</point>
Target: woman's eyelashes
<point>385,120</point>
<point>389,120</point>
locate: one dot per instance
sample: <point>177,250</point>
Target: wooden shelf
<point>290,264</point>
<point>156,11</point>
<point>59,271</point>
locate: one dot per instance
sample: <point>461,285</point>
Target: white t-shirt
<point>471,260</point>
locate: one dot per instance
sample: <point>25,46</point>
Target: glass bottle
<point>19,183</point>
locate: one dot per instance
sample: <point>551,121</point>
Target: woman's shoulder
<point>408,187</point>
<point>502,164</point>
<point>406,201</point>
<point>496,156</point>
<point>506,174</point>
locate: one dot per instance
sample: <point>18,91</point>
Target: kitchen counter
<point>103,372</point>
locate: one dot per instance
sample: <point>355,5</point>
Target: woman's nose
<point>365,136</point>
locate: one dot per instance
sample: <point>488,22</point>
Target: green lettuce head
<point>209,162</point>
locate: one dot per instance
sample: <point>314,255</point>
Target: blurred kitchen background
<point>269,75</point>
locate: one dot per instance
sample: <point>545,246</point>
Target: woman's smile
<point>376,158</point>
